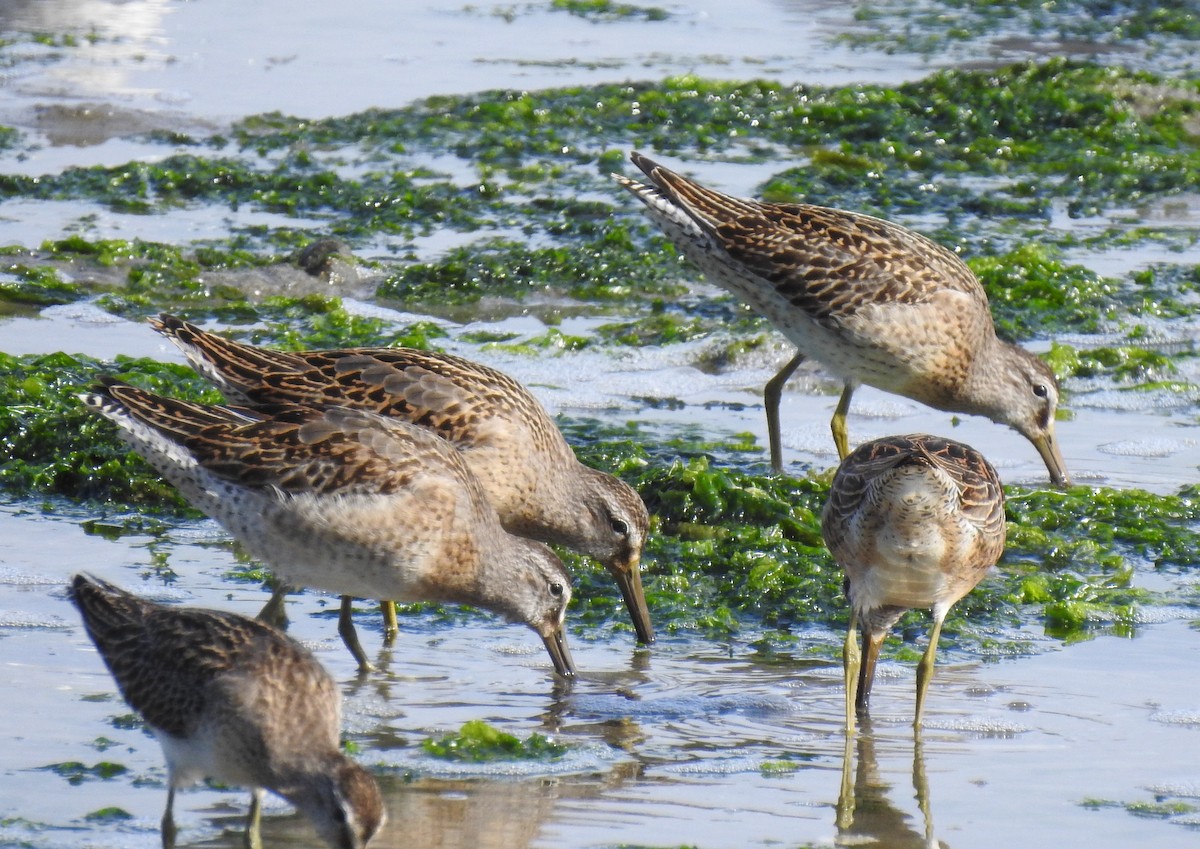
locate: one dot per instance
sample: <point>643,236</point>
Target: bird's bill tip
<point>628,575</point>
<point>560,654</point>
<point>1047,447</point>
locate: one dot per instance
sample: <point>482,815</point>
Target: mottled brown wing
<point>981,495</point>
<point>459,399</point>
<point>231,366</point>
<point>333,451</point>
<point>856,474</point>
<point>165,659</point>
<point>296,449</point>
<point>981,499</point>
<point>828,262</point>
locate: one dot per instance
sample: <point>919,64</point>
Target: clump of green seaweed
<point>76,772</point>
<point>478,742</point>
<point>607,10</point>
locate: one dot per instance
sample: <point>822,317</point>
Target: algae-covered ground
<point>730,548</point>
<point>519,180</point>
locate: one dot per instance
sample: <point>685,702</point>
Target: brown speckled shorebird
<point>915,521</point>
<point>349,502</point>
<point>871,301</point>
<point>235,700</point>
<point>528,470</point>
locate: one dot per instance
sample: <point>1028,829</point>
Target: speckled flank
<point>528,471</point>
<point>871,301</point>
<point>234,700</point>
<point>346,501</point>
<point>915,521</point>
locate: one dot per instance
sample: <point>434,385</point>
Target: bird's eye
<point>556,590</point>
<point>619,527</point>
<point>1040,390</point>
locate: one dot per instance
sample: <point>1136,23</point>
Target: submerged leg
<point>254,821</point>
<point>273,612</point>
<point>168,820</point>
<point>771,395</point>
<point>350,635</point>
<point>851,661</point>
<point>390,626</point>
<point>841,436</point>
<point>925,667</point>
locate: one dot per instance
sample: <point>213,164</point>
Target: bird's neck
<point>987,386</point>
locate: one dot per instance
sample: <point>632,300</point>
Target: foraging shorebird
<point>871,301</point>
<point>235,700</point>
<point>529,472</point>
<point>915,521</point>
<point>349,502</point>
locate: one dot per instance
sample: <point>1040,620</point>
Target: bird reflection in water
<point>866,816</point>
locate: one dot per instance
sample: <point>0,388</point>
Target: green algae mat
<point>536,223</point>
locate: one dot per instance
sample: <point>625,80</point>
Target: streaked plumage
<point>349,502</point>
<point>915,521</point>
<point>871,301</point>
<point>235,700</point>
<point>527,469</point>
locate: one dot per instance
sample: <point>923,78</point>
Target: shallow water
<point>314,60</point>
<point>680,744</point>
<point>669,746</point>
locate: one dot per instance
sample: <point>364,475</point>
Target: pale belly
<point>907,349</point>
<point>204,755</point>
<point>915,581</point>
<point>913,544</point>
<point>358,549</point>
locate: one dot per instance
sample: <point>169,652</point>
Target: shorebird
<point>871,301</point>
<point>915,521</point>
<point>235,700</point>
<point>349,502</point>
<point>527,469</point>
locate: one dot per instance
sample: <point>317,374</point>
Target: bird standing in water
<point>529,472</point>
<point>871,301</point>
<point>915,521</point>
<point>235,700</point>
<point>349,502</point>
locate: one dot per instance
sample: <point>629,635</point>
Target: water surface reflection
<point>866,814</point>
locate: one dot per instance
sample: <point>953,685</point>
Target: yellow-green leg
<point>254,821</point>
<point>872,644</point>
<point>350,635</point>
<point>771,395</point>
<point>273,612</point>
<point>168,820</point>
<point>841,435</point>
<point>851,663</point>
<point>390,626</point>
<point>925,667</point>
